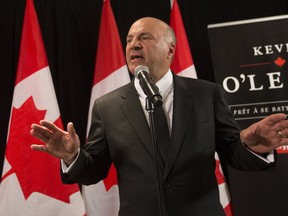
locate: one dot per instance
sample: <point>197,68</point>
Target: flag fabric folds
<point>183,65</point>
<point>111,72</point>
<point>30,182</point>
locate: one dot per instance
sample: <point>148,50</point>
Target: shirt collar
<point>165,85</point>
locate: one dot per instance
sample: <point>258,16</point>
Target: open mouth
<point>136,57</point>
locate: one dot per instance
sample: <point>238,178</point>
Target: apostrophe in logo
<point>280,61</point>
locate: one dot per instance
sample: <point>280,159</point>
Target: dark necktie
<point>161,133</point>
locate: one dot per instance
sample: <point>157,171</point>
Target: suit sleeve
<point>94,159</point>
<point>228,144</point>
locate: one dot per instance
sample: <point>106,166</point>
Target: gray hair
<point>170,35</point>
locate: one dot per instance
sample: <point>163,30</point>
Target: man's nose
<point>136,45</point>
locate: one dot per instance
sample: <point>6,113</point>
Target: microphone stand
<point>150,109</point>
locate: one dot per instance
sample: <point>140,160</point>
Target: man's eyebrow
<point>129,36</point>
<point>140,35</point>
<point>145,33</point>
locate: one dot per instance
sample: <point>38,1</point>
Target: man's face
<point>146,46</point>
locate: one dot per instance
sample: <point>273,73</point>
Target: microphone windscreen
<point>140,68</point>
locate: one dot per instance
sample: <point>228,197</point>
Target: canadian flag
<point>30,183</point>
<point>111,72</point>
<point>183,65</point>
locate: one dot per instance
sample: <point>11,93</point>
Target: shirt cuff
<point>268,158</point>
<point>65,168</point>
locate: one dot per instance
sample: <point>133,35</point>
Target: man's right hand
<point>57,142</point>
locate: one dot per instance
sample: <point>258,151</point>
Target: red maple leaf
<point>111,179</point>
<point>36,171</point>
<point>280,61</point>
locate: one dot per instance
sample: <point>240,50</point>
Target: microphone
<point>148,85</point>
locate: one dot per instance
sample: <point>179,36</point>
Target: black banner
<point>250,62</point>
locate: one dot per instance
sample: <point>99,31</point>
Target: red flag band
<point>102,199</point>
<point>183,65</point>
<point>31,180</point>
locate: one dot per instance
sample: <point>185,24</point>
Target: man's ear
<point>171,53</point>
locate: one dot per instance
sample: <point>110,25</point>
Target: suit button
<point>166,185</point>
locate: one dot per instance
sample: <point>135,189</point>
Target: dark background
<point>70,29</point>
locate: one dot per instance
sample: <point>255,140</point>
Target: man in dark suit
<point>199,121</point>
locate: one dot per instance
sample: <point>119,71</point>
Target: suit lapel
<point>133,111</point>
<point>182,109</point>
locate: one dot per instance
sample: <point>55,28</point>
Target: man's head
<point>150,42</point>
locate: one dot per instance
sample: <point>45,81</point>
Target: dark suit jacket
<point>202,124</point>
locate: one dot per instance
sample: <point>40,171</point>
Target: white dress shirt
<point>165,86</point>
